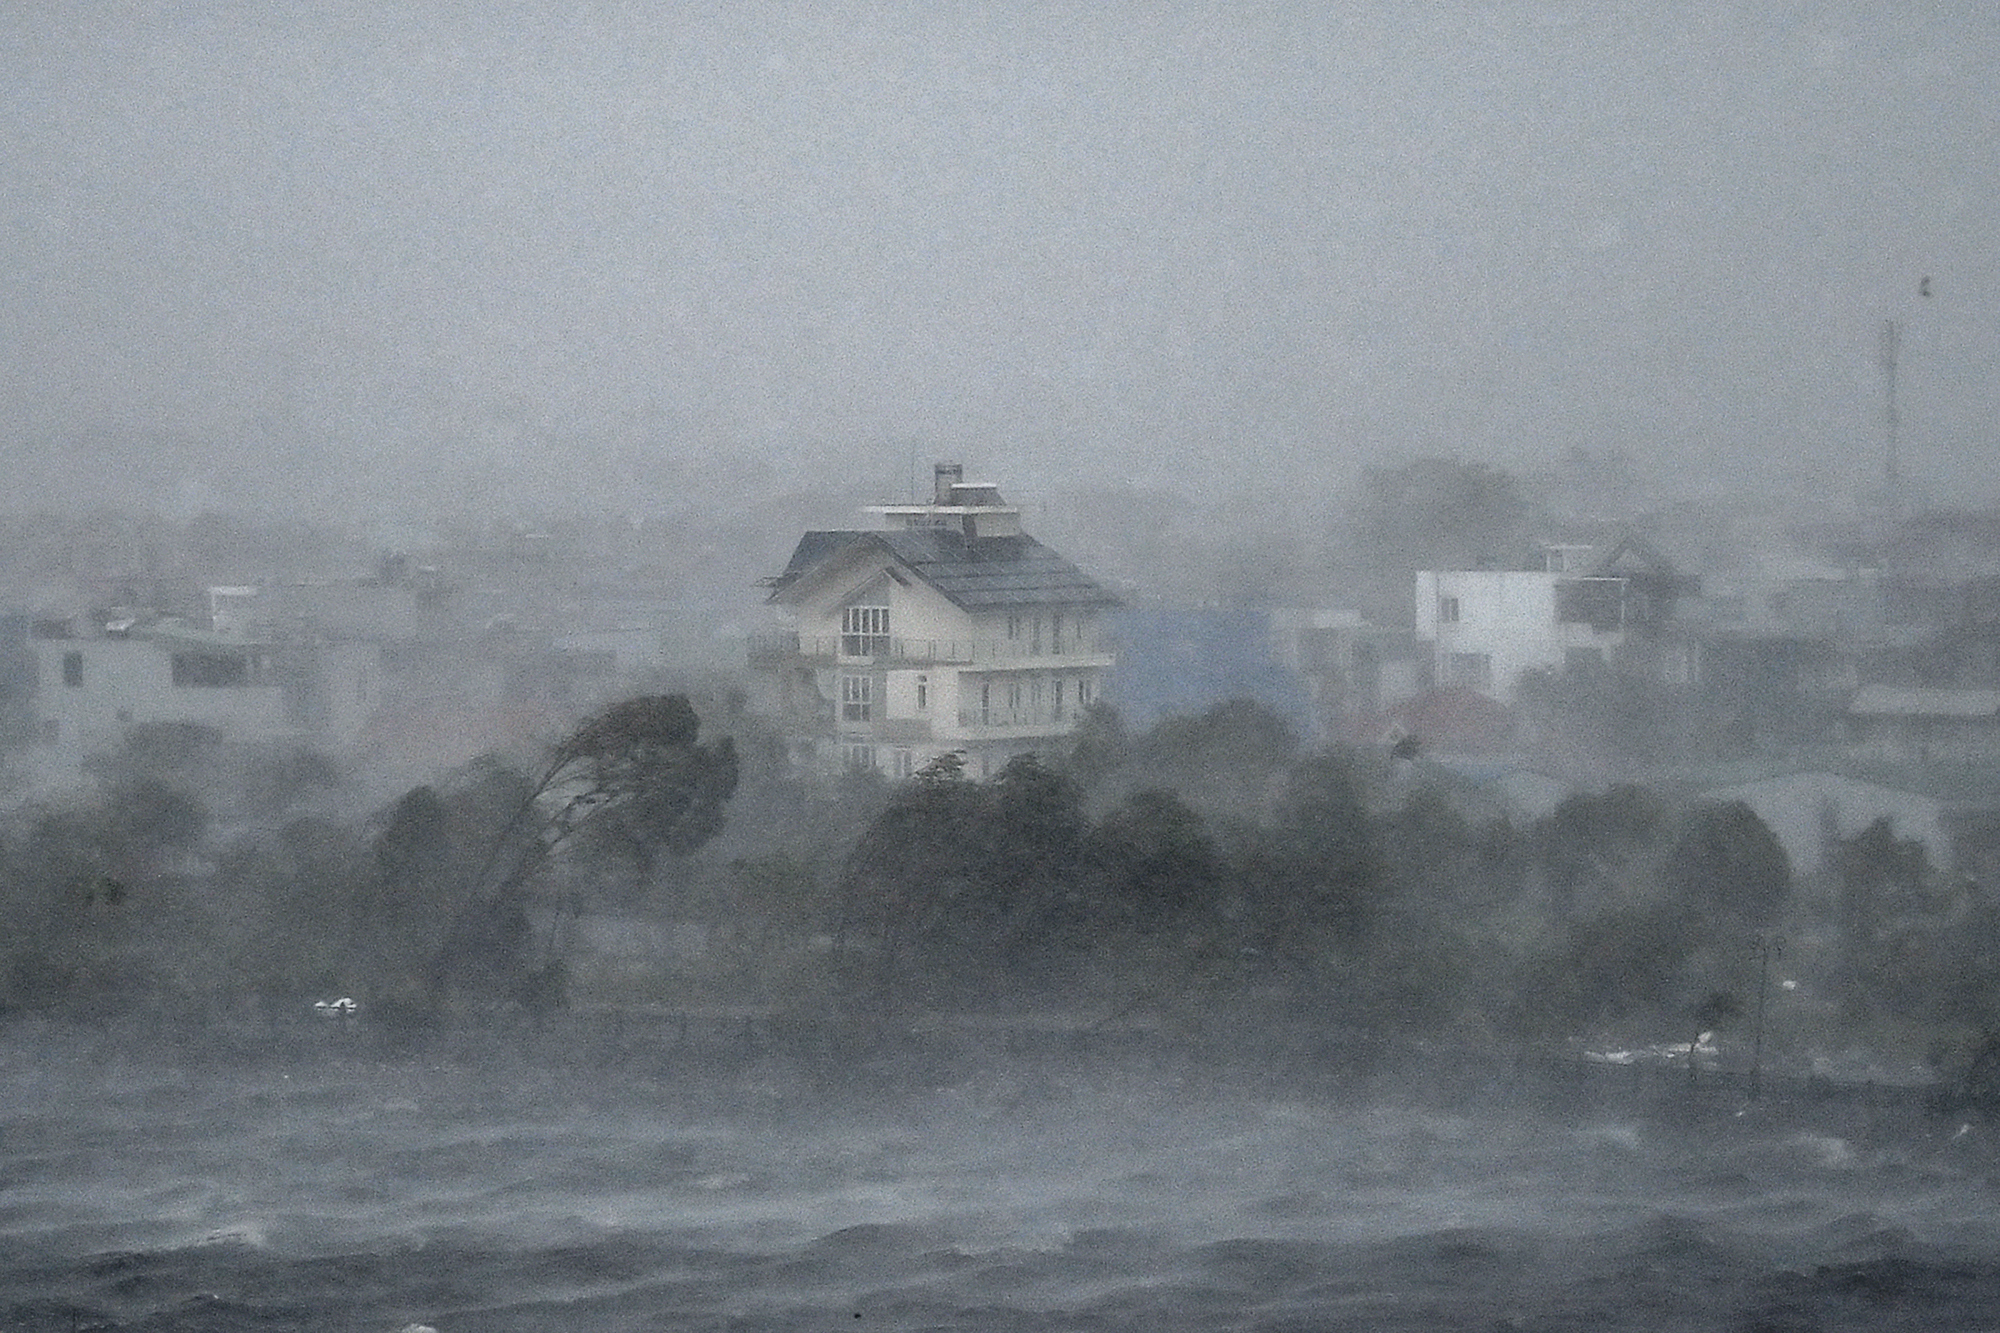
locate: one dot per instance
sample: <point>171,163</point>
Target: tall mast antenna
<point>1892,467</point>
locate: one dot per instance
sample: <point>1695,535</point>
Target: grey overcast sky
<point>350,256</point>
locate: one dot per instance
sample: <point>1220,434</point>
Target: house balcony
<point>978,723</point>
<point>780,648</point>
<point>903,730</point>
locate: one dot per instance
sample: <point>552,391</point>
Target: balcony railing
<point>1016,719</point>
<point>776,647</point>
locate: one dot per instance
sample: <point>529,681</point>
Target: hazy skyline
<point>355,259</point>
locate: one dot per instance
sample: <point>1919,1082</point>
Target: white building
<point>89,686</point>
<point>946,629</point>
<point>1585,607</point>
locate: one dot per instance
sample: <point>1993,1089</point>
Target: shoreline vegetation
<point>1205,893</point>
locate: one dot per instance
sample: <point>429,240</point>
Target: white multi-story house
<point>947,629</point>
<point>1585,606</point>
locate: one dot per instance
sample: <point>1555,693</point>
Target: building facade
<point>1585,607</point>
<point>945,629</point>
<point>85,686</point>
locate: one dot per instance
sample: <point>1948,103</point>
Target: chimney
<point>945,476</point>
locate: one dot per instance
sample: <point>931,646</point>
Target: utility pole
<point>1892,417</point>
<point>1892,463</point>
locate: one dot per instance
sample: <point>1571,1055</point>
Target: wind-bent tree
<point>634,772</point>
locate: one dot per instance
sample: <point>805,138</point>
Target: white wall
<point>1509,615</point>
<point>127,682</point>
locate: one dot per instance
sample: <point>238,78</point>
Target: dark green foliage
<point>1038,822</point>
<point>633,778</point>
<point>1327,852</point>
<point>287,903</point>
<point>1914,943</point>
<point>1160,867</point>
<point>1615,966</point>
<point>1099,746</point>
<point>1589,844</point>
<point>946,767</point>
<point>908,873</point>
<point>145,812</point>
<point>278,779</point>
<point>413,840</point>
<point>1726,862</point>
<point>416,886</point>
<point>1881,877</point>
<point>1431,855</point>
<point>88,893</point>
<point>1223,761</point>
<point>961,886</point>
<point>167,747</point>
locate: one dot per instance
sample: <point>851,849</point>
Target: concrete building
<point>945,629</point>
<point>1584,607</point>
<point>88,684</point>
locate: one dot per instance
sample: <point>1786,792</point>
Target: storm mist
<point>562,257</point>
<point>1483,811</point>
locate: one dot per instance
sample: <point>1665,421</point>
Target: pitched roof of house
<point>975,574</point>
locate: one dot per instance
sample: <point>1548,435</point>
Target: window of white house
<point>1086,691</point>
<point>209,670</point>
<point>859,756</point>
<point>1470,669</point>
<point>857,697</point>
<point>73,669</point>
<point>902,764</point>
<point>1055,630</point>
<point>1056,693</point>
<point>923,694</point>
<point>1013,694</point>
<point>864,631</point>
<point>1448,610</point>
<point>1013,627</point>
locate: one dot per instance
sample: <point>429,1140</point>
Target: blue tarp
<point>1186,662</point>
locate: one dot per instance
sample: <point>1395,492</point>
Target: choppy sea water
<point>331,1188</point>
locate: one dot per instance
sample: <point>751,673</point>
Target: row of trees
<point>1330,882</point>
<point>1211,865</point>
<point>135,895</point>
<point>1208,865</point>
